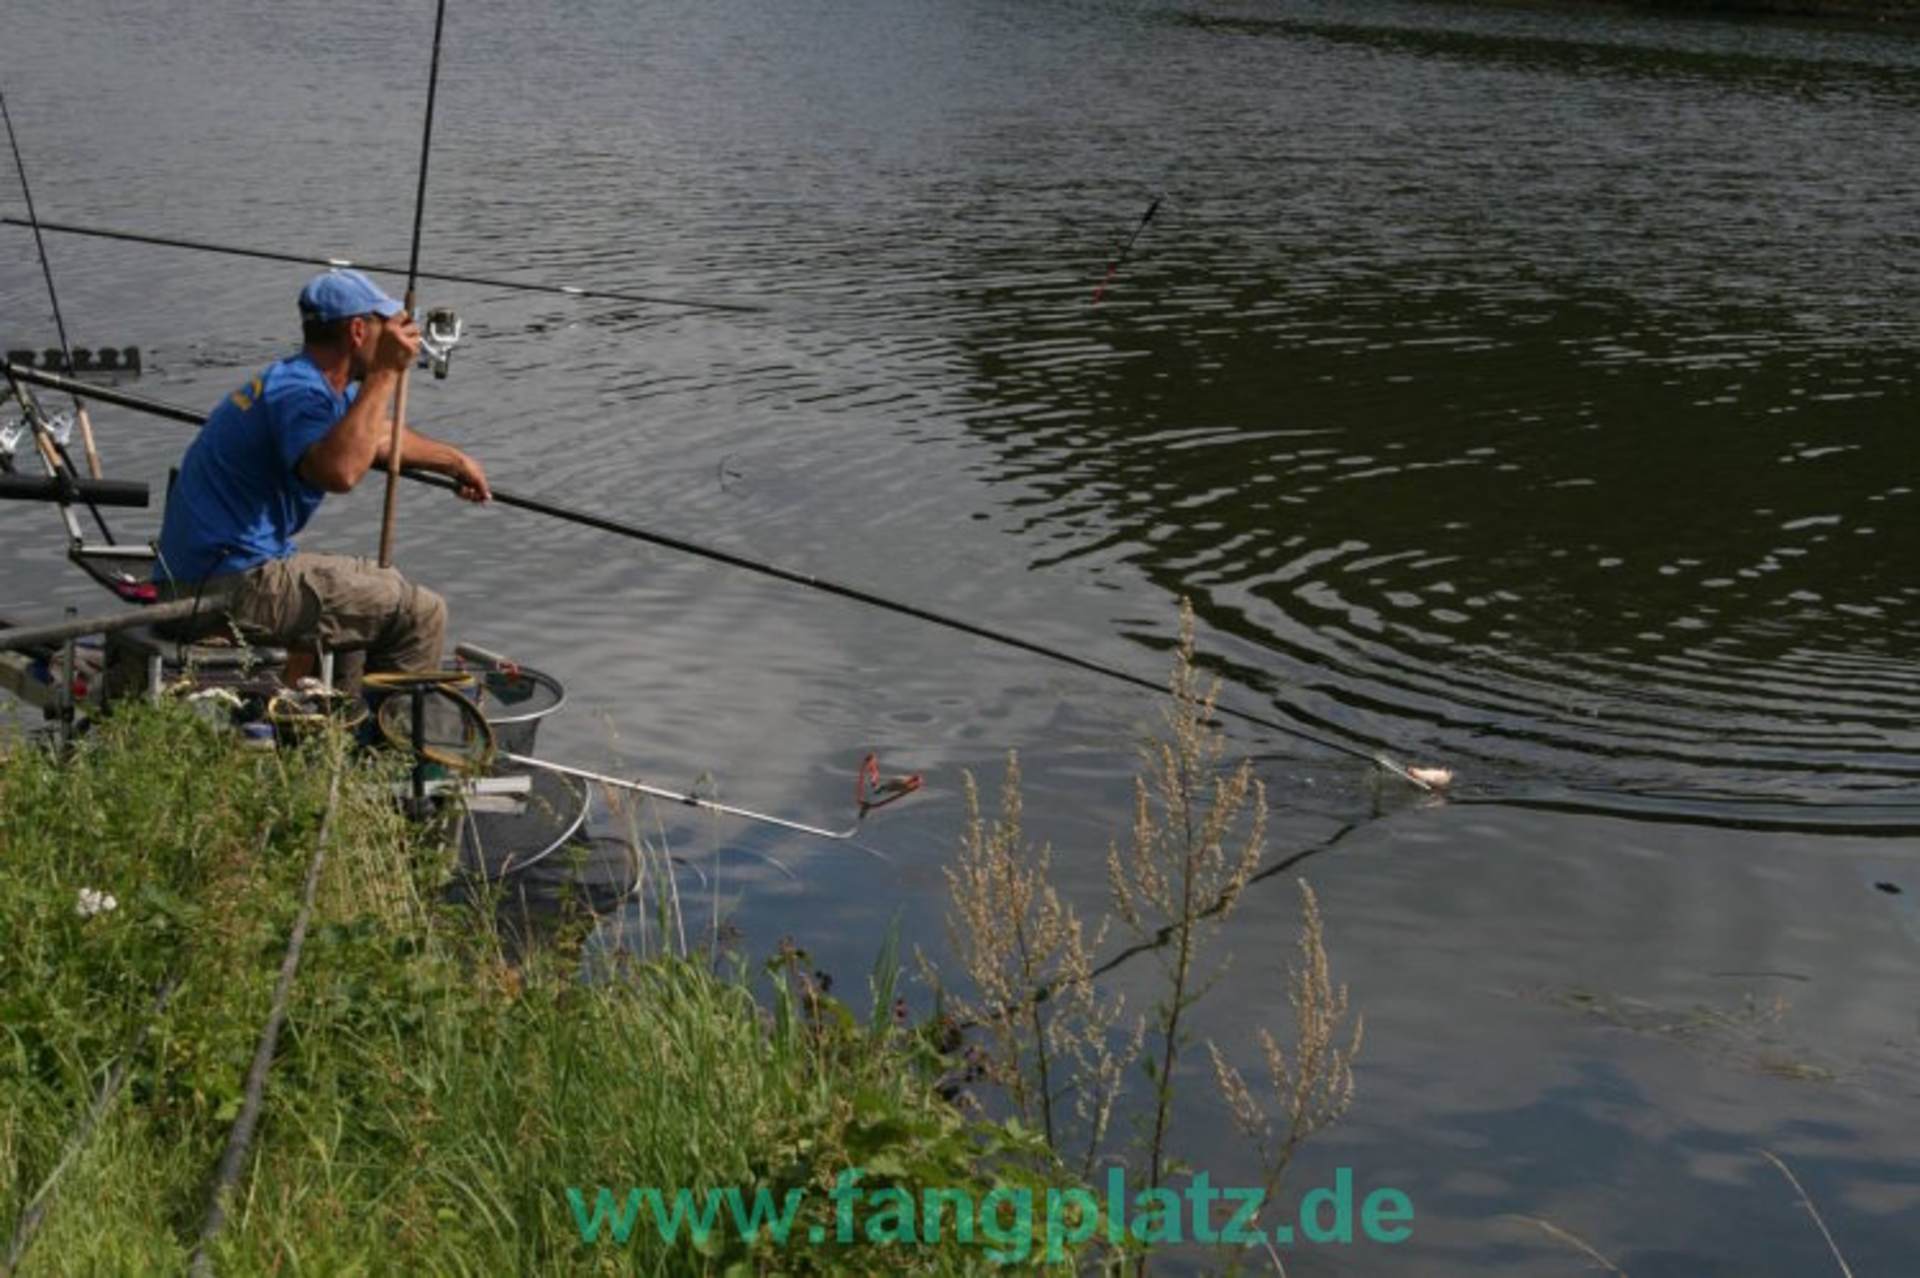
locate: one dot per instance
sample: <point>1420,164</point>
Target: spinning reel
<point>440,332</point>
<point>59,428</point>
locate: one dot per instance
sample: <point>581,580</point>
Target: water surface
<point>1525,390</point>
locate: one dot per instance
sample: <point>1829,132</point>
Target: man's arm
<point>339,459</point>
<point>443,458</point>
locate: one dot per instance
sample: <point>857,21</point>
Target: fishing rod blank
<point>443,277</point>
<point>240,1135</point>
<point>634,532</point>
<point>42,1200</point>
<point>105,394</point>
<point>674,796</point>
<point>621,528</point>
<point>413,281</point>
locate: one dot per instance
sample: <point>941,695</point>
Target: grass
<point>441,1102</point>
<point>1197,841</point>
<point>431,1101</point>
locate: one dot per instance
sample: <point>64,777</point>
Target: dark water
<point>1524,390</point>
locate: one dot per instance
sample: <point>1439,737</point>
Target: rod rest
<point>101,492</point>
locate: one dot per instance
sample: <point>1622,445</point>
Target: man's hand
<point>467,472</point>
<point>399,342</point>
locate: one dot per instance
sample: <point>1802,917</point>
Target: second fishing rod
<point>59,463</point>
<point>1420,778</point>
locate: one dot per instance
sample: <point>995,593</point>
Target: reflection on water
<point>1525,390</point>
<point>1568,543</point>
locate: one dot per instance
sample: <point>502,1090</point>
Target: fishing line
<point>1162,936</point>
<point>442,277</point>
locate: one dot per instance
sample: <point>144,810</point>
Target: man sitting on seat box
<point>309,425</point>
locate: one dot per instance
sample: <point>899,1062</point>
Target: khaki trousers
<point>344,603</point>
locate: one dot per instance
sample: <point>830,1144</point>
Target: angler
<point>309,425</point>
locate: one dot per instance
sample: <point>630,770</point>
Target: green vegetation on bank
<point>431,1100</point>
<point>440,1105</point>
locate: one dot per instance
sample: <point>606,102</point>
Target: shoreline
<point>1873,15</point>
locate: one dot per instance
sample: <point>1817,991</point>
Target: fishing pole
<point>1113,268</point>
<point>240,1135</point>
<point>59,321</point>
<point>413,280</point>
<point>376,268</point>
<point>1423,778</point>
<point>61,469</point>
<point>689,800</point>
<point>42,1201</point>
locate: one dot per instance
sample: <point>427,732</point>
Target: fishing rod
<point>869,768</point>
<point>1423,778</point>
<point>1113,268</point>
<point>39,1205</point>
<point>413,280</point>
<point>376,268</point>
<point>32,376</point>
<point>240,1135</point>
<point>53,451</point>
<point>59,321</point>
<point>42,1201</point>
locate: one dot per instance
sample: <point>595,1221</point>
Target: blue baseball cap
<point>339,294</point>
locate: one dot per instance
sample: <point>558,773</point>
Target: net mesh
<point>494,844</point>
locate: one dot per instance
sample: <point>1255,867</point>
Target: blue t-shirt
<point>240,498</point>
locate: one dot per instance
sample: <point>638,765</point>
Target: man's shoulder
<point>295,383</point>
<point>293,373</point>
